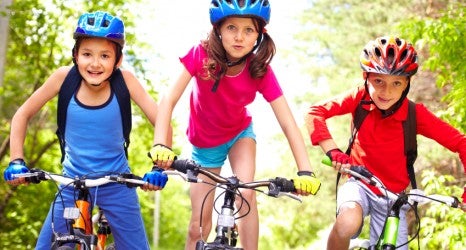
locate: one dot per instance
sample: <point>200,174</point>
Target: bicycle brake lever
<point>292,196</point>
<point>191,176</point>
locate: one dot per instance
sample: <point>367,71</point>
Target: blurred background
<point>318,45</point>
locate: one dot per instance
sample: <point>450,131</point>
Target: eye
<point>378,81</point>
<point>231,27</point>
<point>105,56</point>
<point>397,83</point>
<point>87,54</point>
<point>250,30</point>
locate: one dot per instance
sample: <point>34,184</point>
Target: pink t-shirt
<point>217,117</point>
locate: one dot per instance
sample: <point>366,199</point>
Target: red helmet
<point>390,56</point>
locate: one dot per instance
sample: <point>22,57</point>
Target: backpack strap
<point>118,85</point>
<point>410,142</point>
<point>359,115</point>
<point>67,89</point>
<point>70,86</point>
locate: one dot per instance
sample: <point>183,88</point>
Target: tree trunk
<point>4,20</point>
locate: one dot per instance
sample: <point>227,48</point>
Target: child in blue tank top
<point>94,137</point>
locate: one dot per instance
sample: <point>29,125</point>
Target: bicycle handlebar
<point>189,171</point>
<point>415,195</point>
<point>38,175</point>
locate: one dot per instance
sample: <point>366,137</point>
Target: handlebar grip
<point>285,185</point>
<point>327,161</point>
<point>38,176</point>
<point>185,165</point>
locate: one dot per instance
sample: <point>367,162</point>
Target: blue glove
<point>156,177</point>
<point>17,166</point>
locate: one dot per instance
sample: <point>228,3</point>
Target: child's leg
<point>242,158</point>
<point>60,224</point>
<point>123,212</point>
<point>352,207</point>
<point>198,192</point>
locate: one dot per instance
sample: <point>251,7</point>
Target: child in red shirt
<point>388,64</point>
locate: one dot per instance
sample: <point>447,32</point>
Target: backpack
<point>409,132</point>
<point>70,86</point>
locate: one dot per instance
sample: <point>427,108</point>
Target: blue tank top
<point>94,141</point>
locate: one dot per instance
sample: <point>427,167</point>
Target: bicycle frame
<point>79,218</point>
<point>388,238</point>
<point>226,230</point>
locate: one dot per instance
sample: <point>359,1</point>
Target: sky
<point>173,27</point>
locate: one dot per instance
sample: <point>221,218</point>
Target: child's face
<point>386,90</point>
<point>96,60</point>
<point>239,35</point>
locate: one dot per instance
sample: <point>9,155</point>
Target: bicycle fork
<point>390,230</point>
<point>226,226</point>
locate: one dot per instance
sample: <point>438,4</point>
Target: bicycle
<point>226,229</point>
<point>81,223</point>
<point>388,237</point>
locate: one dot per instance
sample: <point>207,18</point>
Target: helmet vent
<point>377,52</point>
<point>398,42</point>
<point>106,23</point>
<point>91,21</point>
<point>383,41</point>
<point>390,56</point>
<point>403,55</point>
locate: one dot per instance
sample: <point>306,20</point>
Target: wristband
<point>155,168</point>
<point>160,144</point>
<point>308,173</point>
<point>18,161</point>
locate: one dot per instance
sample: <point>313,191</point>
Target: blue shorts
<point>121,208</point>
<point>215,157</point>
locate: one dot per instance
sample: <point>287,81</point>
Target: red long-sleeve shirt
<point>379,143</point>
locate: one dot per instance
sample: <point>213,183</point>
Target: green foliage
<point>441,226</point>
<point>443,37</point>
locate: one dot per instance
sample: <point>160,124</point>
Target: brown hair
<point>216,63</point>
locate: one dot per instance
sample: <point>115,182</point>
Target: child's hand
<point>306,183</point>
<point>162,156</point>
<point>336,155</point>
<point>17,166</point>
<point>156,179</point>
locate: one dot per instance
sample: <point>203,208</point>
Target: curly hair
<point>216,63</point>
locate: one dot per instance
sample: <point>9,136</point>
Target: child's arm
<point>162,137</point>
<point>292,132</point>
<point>306,181</point>
<point>140,96</point>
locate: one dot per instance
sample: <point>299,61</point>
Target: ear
<point>365,75</point>
<point>118,64</point>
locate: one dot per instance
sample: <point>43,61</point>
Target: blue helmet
<point>220,9</point>
<point>101,24</point>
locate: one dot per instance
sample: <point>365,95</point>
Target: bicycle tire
<point>110,247</point>
<point>201,245</point>
<point>65,248</point>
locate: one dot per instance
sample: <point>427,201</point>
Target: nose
<point>387,89</point>
<point>95,61</point>
<point>239,36</point>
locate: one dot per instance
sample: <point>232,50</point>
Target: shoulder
<point>127,74</point>
<point>62,72</point>
<point>57,78</point>
<point>132,83</point>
